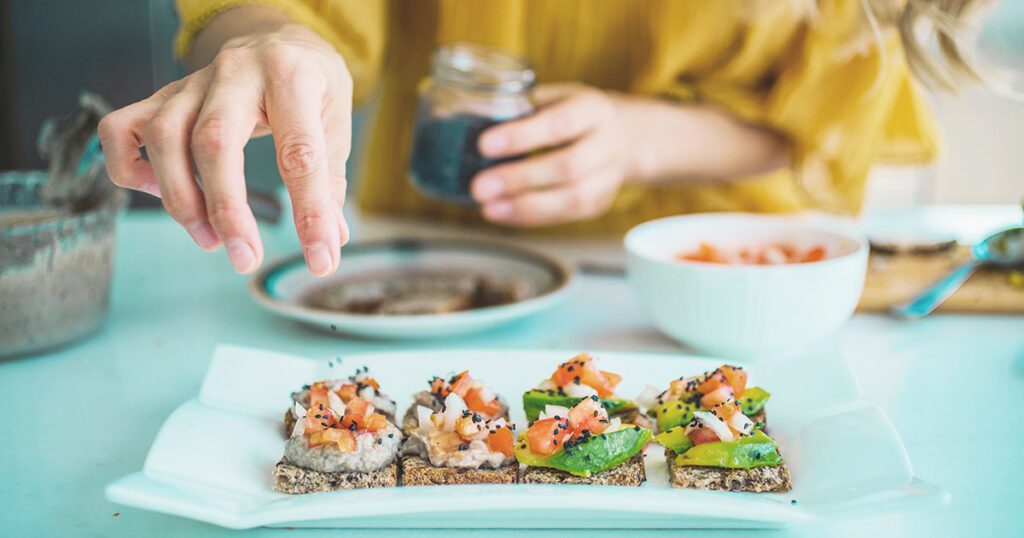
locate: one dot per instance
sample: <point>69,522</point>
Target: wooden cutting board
<point>894,278</point>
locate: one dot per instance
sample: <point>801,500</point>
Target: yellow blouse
<point>844,99</point>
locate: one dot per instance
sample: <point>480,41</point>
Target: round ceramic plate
<point>283,286</point>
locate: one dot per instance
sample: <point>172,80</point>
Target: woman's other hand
<point>286,81</point>
<point>577,177</point>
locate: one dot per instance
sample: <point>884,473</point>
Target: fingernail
<point>498,210</point>
<point>203,235</point>
<point>241,255</point>
<point>318,259</point>
<point>152,188</point>
<point>493,143</point>
<point>488,187</point>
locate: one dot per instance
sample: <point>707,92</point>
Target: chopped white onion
<point>547,384</point>
<point>337,406</point>
<point>298,411</point>
<point>716,426</point>
<point>367,393</point>
<point>741,423</point>
<point>550,411</point>
<point>614,425</point>
<point>453,408</point>
<point>579,391</point>
<point>423,416</point>
<point>299,428</point>
<point>384,405</point>
<point>648,399</point>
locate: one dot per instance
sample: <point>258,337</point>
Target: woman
<point>653,107</point>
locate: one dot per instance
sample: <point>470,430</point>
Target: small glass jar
<point>471,87</point>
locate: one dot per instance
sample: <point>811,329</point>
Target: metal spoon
<point>1004,248</point>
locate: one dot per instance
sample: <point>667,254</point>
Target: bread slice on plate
<point>417,471</point>
<point>757,480</point>
<point>631,473</point>
<point>289,478</point>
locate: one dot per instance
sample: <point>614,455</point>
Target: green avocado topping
<point>535,400</point>
<point>680,413</point>
<point>600,453</point>
<point>755,450</point>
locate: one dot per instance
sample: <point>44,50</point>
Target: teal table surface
<point>78,418</point>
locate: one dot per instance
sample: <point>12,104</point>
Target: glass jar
<point>471,87</point>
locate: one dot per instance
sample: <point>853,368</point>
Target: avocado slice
<point>600,453</point>
<point>680,413</point>
<point>756,450</point>
<point>535,400</point>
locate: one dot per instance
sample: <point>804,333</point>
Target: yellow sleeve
<point>843,99</point>
<point>356,28</point>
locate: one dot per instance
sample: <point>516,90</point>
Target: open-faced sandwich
<point>722,449</point>
<point>360,384</point>
<point>339,446</point>
<point>676,405</point>
<point>577,378</point>
<point>477,397</point>
<point>581,445</point>
<point>458,446</point>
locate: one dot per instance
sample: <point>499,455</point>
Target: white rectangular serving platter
<point>213,457</point>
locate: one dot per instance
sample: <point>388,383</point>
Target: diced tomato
<point>815,254</point>
<point>548,435</point>
<point>721,394</point>
<point>357,411</point>
<point>613,379</point>
<point>319,419</point>
<point>705,253</point>
<point>725,411</point>
<point>712,382</point>
<point>375,423</point>
<point>735,378</point>
<point>344,439</point>
<point>581,369</point>
<point>771,254</point>
<point>460,384</point>
<point>502,441</point>
<point>439,387</point>
<point>318,395</point>
<point>475,402</point>
<point>590,415</point>
<point>568,371</point>
<point>699,436</point>
<point>346,392</point>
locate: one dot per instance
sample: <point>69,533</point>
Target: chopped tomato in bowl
<point>747,286</point>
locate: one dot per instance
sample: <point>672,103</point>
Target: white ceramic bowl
<point>746,311</point>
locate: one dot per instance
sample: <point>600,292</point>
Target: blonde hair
<point>948,22</point>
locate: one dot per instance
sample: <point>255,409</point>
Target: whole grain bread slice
<point>290,478</point>
<point>630,473</point>
<point>758,480</point>
<point>417,471</point>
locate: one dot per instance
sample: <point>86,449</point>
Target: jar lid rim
<point>482,67</point>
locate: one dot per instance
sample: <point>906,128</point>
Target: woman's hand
<point>286,81</point>
<point>595,141</point>
<point>587,159</point>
